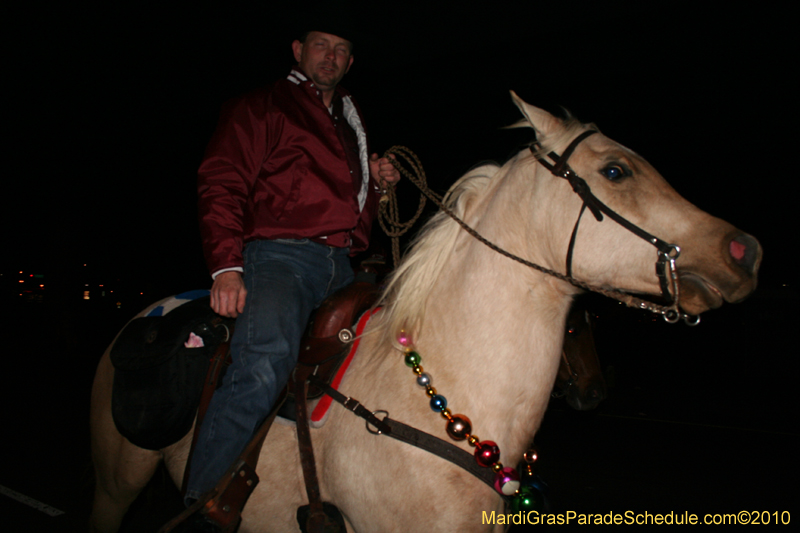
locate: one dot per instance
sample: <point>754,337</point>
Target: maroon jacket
<point>280,165</point>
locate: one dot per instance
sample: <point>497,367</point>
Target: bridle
<point>667,253</point>
<point>666,269</point>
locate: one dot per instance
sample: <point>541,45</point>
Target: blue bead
<point>438,402</point>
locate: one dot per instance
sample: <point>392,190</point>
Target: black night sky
<point>111,110</point>
<point>107,112</point>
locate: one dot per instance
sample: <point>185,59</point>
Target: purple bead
<point>507,481</point>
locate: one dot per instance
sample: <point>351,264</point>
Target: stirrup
<point>333,519</point>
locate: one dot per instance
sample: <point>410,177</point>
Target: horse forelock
<point>405,296</point>
<point>554,141</point>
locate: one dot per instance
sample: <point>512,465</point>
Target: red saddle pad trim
<point>324,403</point>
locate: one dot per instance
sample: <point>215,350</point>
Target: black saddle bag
<point>157,380</point>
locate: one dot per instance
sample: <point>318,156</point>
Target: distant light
<point>85,295</point>
<point>41,286</point>
<point>22,281</point>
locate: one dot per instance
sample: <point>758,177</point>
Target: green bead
<point>526,500</point>
<point>413,359</point>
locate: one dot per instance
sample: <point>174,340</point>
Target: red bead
<point>459,427</point>
<point>487,453</point>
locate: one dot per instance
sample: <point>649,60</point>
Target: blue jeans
<point>285,280</point>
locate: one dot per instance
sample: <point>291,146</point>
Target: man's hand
<point>382,170</point>
<point>228,294</point>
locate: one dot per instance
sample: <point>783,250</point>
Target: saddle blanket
<point>160,361</point>
<point>165,306</point>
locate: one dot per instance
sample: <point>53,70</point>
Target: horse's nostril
<point>744,250</point>
<point>738,250</point>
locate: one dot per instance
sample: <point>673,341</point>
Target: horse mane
<point>405,297</point>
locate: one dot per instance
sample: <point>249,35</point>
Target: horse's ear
<point>540,120</point>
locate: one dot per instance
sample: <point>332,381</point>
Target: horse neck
<point>491,340</point>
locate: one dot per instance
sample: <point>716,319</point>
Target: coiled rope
<point>389,212</point>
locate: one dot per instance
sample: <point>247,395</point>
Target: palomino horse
<point>579,379</point>
<point>489,331</point>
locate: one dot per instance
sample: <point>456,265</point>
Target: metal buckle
<point>377,431</point>
<point>347,401</point>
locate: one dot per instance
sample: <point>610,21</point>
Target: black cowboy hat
<point>334,17</point>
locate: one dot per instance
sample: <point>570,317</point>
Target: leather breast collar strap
<point>410,435</point>
<point>667,253</point>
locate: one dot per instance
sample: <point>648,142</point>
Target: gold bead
<point>430,391</point>
<point>531,456</point>
<point>473,440</point>
<point>417,369</point>
<point>446,413</point>
<point>498,466</point>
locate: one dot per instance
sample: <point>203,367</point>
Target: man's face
<point>325,58</point>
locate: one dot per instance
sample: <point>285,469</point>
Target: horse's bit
<point>667,253</point>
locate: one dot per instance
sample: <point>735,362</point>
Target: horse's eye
<point>615,172</point>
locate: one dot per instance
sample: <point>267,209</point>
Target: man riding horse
<point>285,198</point>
